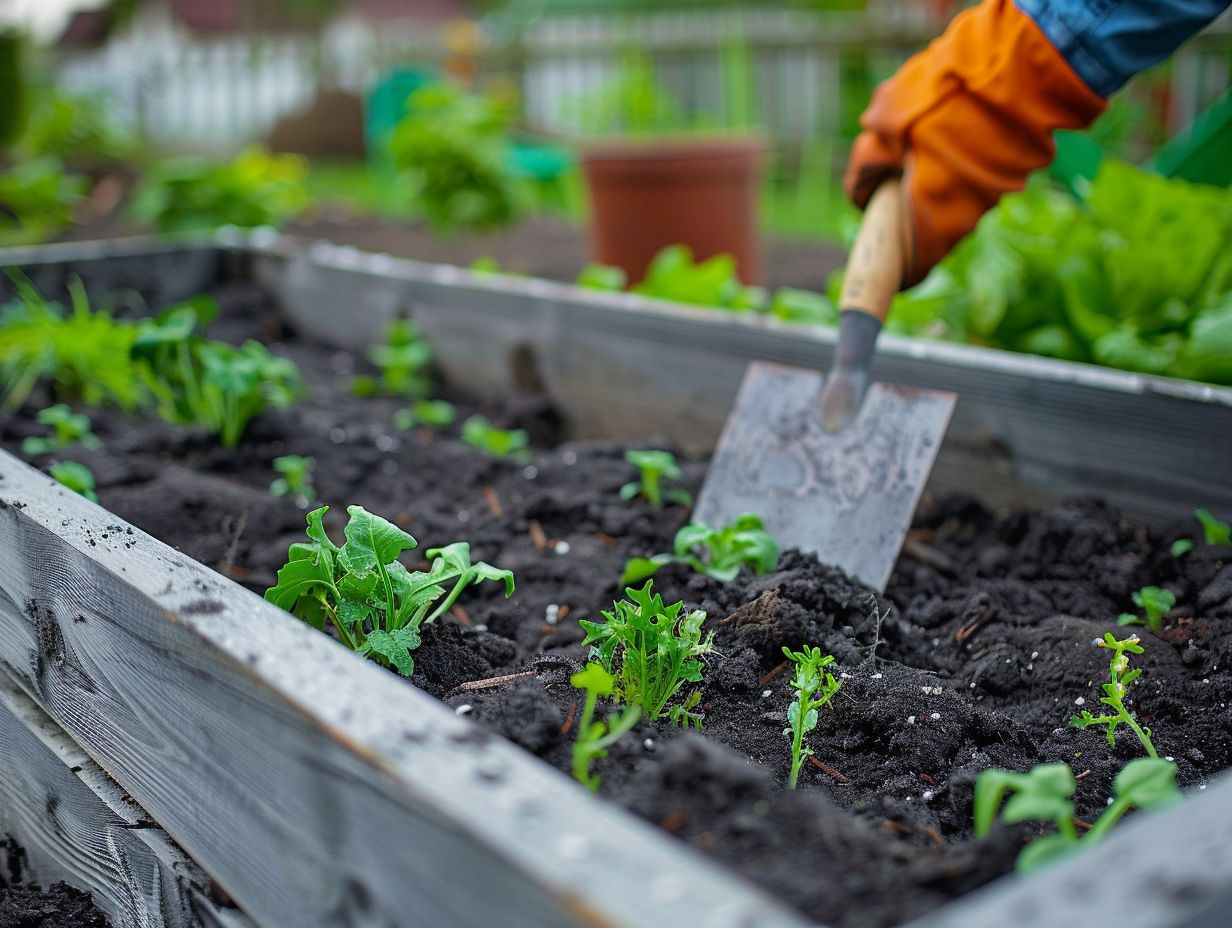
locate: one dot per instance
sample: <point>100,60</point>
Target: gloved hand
<point>964,122</point>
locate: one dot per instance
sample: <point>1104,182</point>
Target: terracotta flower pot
<point>700,192</point>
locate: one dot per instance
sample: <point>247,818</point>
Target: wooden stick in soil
<point>564,729</point>
<point>493,501</point>
<point>493,682</point>
<point>770,675</point>
<point>537,537</point>
<point>828,770</point>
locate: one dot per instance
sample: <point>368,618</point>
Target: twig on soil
<point>880,617</point>
<point>674,822</point>
<point>928,556</point>
<point>537,537</point>
<point>492,682</point>
<point>1085,826</point>
<point>228,557</point>
<point>493,501</point>
<point>767,677</point>
<point>1082,776</point>
<point>461,615</point>
<point>564,729</point>
<point>898,827</point>
<point>828,770</point>
<point>934,835</point>
<point>975,624</point>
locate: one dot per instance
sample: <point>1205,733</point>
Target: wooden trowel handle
<point>875,266</point>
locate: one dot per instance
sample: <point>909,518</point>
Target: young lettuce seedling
<point>432,413</point>
<point>652,651</point>
<point>404,362</point>
<point>68,428</point>
<point>375,604</point>
<point>296,479</point>
<point>1120,676</point>
<point>1044,793</point>
<point>594,738</point>
<point>602,277</point>
<point>655,467</point>
<point>479,433</point>
<point>1156,602</point>
<point>815,686</point>
<point>1214,532</point>
<point>77,477</point>
<point>743,543</point>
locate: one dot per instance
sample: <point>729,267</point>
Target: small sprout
<point>68,428</point>
<point>1119,679</point>
<point>404,362</point>
<point>77,477</point>
<point>1214,531</point>
<point>485,264</point>
<point>594,738</point>
<point>479,433</point>
<point>296,479</point>
<point>375,604</point>
<point>1043,795</point>
<point>744,543</point>
<point>815,686</point>
<point>655,467</point>
<point>652,651</point>
<point>1156,602</point>
<point>1181,547</point>
<point>432,413</point>
<point>602,277</point>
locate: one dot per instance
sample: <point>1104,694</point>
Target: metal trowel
<point>831,465</point>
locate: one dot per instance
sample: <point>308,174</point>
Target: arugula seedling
<point>77,477</point>
<point>655,467</point>
<point>296,479</point>
<point>1155,601</point>
<point>404,362</point>
<point>743,543</point>
<point>1044,793</point>
<point>68,428</point>
<point>594,738</point>
<point>652,651</point>
<point>815,686</point>
<point>1214,532</point>
<point>374,603</point>
<point>1119,679</point>
<point>425,412</point>
<point>479,433</point>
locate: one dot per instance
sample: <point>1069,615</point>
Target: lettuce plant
<point>602,277</point>
<point>479,433</point>
<point>433,413</point>
<point>295,479</point>
<point>1044,794</point>
<point>1115,690</point>
<point>815,686</point>
<point>376,606</point>
<point>404,363</point>
<point>68,428</point>
<point>1155,602</point>
<point>673,275</point>
<point>743,543</point>
<point>595,737</point>
<point>37,199</point>
<point>77,477</point>
<point>652,651</point>
<point>654,467</point>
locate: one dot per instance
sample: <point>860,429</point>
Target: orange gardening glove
<point>964,122</point>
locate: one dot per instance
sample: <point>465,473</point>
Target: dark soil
<point>976,657</point>
<point>23,905</point>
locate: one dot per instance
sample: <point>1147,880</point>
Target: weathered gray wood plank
<point>76,825</point>
<point>314,787</point>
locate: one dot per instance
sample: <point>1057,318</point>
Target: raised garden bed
<point>314,788</point>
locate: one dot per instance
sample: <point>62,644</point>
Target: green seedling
<point>479,433</point>
<point>1214,532</point>
<point>815,686</point>
<point>594,738</point>
<point>602,277</point>
<point>68,428</point>
<point>1155,602</point>
<point>374,603</point>
<point>77,477</point>
<point>1119,679</point>
<point>433,413</point>
<point>655,467</point>
<point>652,651</point>
<point>296,479</point>
<point>1044,794</point>
<point>404,362</point>
<point>744,543</point>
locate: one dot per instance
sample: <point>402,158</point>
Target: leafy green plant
<point>602,277</point>
<point>77,477</point>
<point>743,543</point>
<point>595,737</point>
<point>68,428</point>
<point>652,651</point>
<point>1115,690</point>
<point>296,479</point>
<point>654,467</point>
<point>479,433</point>
<point>673,275</point>
<point>432,413</point>
<point>37,199</point>
<point>633,102</point>
<point>1155,602</point>
<point>374,603</point>
<point>803,307</point>
<point>815,686</point>
<point>404,362</point>
<point>1214,532</point>
<point>451,147</point>
<point>255,189</point>
<point>1044,794</point>
<point>76,129</point>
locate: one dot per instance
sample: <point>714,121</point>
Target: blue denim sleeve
<point>1109,41</point>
